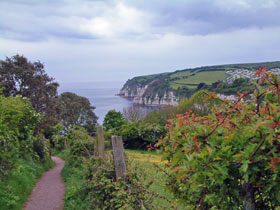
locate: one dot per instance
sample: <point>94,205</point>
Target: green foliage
<point>17,123</point>
<point>23,156</point>
<point>75,183</point>
<point>185,92</point>
<point>91,184</point>
<point>59,142</point>
<point>18,76</point>
<point>138,135</point>
<point>238,85</point>
<point>16,188</point>
<point>197,103</point>
<point>41,147</point>
<point>80,143</point>
<point>113,120</point>
<point>155,117</point>
<point>107,194</point>
<point>151,133</point>
<point>74,110</point>
<point>228,159</point>
<point>130,135</point>
<point>160,116</point>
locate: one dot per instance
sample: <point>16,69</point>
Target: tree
<point>228,159</point>
<point>74,110</point>
<point>18,76</point>
<point>113,120</point>
<point>134,114</point>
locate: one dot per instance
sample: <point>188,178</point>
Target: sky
<point>115,40</point>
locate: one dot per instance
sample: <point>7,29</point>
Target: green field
<point>207,77</point>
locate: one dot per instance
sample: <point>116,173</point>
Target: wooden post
<point>100,143</point>
<point>118,155</point>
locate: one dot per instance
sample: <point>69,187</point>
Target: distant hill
<point>185,82</point>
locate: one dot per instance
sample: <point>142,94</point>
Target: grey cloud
<point>39,20</point>
<point>172,35</point>
<point>209,16</point>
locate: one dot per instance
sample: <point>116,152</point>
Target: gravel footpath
<point>49,190</point>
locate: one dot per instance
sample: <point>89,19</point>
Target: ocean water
<point>101,95</point>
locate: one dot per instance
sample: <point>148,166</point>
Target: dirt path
<point>49,190</point>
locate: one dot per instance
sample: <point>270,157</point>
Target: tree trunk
<point>249,198</point>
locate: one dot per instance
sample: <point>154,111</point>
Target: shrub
<point>17,122</point>
<point>151,133</point>
<point>138,135</point>
<point>228,159</point>
<point>81,144</point>
<point>130,134</point>
<point>105,192</point>
<point>41,147</point>
<point>59,142</point>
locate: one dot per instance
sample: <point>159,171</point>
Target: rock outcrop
<point>147,97</point>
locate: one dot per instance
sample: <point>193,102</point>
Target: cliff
<point>148,96</point>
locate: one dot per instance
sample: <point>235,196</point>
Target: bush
<point>138,135</point>
<point>17,123</point>
<point>228,159</point>
<point>105,192</point>
<point>81,144</point>
<point>59,142</point>
<point>41,147</point>
<point>130,135</point>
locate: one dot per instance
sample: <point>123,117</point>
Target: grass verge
<point>15,189</point>
<point>75,194</point>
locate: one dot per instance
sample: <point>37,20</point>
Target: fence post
<point>100,142</point>
<point>118,155</point>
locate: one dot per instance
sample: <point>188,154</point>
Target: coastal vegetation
<point>205,153</point>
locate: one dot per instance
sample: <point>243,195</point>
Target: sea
<point>102,95</point>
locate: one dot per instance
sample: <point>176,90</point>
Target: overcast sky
<point>114,40</point>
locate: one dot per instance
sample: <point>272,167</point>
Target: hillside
<point>168,88</point>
